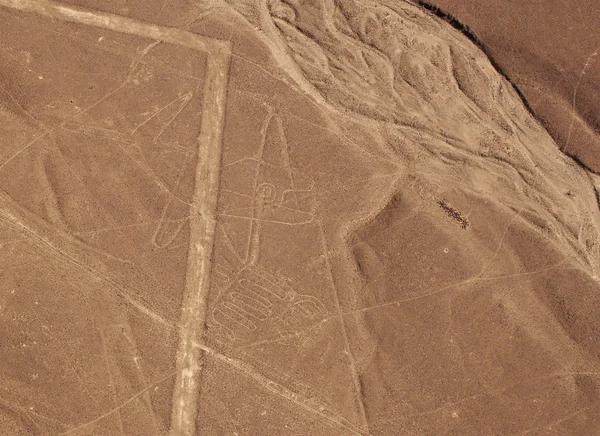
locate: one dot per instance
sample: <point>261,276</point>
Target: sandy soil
<point>284,217</point>
<point>550,50</point>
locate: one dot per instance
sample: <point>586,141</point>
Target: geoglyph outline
<point>186,391</point>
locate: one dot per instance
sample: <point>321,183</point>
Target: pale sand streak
<point>120,24</point>
<point>186,390</point>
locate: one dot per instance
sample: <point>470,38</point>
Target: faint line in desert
<point>551,425</point>
<point>185,394</point>
<point>280,390</point>
<point>112,384</point>
<point>120,406</point>
<point>53,241</point>
<point>340,315</point>
<point>28,412</point>
<point>118,23</point>
<point>574,100</point>
<point>474,279</point>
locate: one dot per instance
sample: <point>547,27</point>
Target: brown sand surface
<point>550,49</point>
<point>284,217</point>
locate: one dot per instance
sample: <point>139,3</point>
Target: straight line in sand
<point>118,23</point>
<point>188,366</point>
<point>193,316</point>
<point>352,362</point>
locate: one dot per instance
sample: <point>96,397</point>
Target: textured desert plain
<point>264,218</point>
<point>551,50</point>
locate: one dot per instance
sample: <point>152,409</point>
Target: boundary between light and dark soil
<point>466,30</point>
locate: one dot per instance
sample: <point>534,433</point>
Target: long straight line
<point>193,315</point>
<point>202,234</point>
<point>72,251</point>
<point>118,23</point>
<point>310,405</point>
<point>353,369</point>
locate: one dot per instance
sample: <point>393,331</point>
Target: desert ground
<point>550,50</point>
<point>289,217</point>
